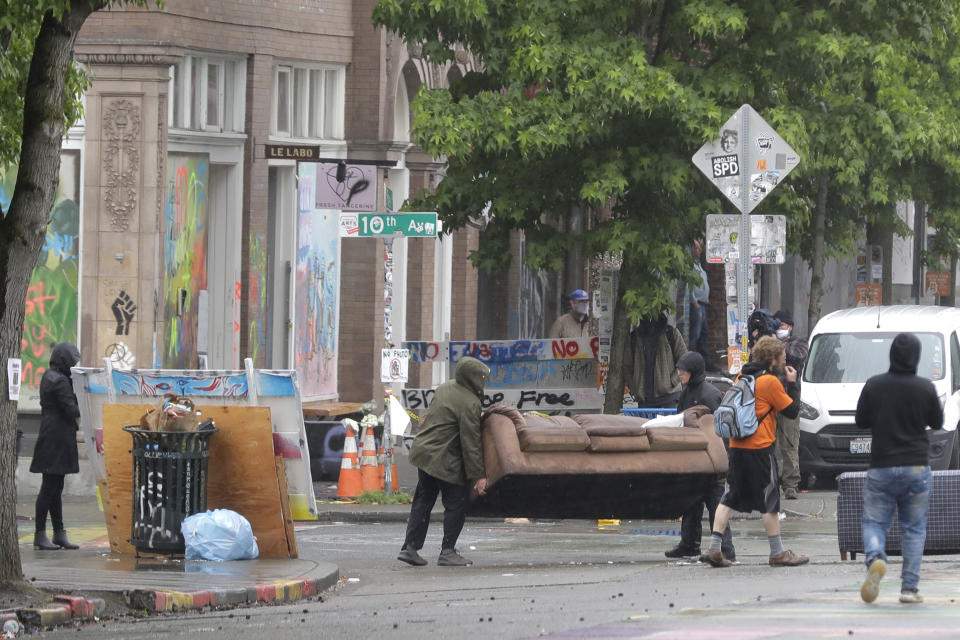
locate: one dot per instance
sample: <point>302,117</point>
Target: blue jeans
<point>907,489</point>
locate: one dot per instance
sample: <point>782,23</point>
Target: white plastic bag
<point>220,534</point>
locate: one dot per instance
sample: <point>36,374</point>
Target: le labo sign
<point>303,153</point>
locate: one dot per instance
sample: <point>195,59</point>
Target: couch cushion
<point>602,425</point>
<point>552,438</point>
<point>676,439</point>
<point>609,444</point>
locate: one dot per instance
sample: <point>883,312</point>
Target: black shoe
<point>410,556</point>
<point>789,493</point>
<point>682,551</point>
<point>60,539</point>
<point>41,542</point>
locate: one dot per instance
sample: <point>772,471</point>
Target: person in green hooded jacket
<point>448,455</point>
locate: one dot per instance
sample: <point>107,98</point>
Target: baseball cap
<point>579,294</point>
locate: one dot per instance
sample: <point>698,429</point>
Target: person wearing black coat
<point>697,391</point>
<point>55,454</point>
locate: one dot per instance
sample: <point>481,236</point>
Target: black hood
<point>904,354</point>
<point>693,362</point>
<point>65,355</point>
<point>753,368</point>
<point>652,325</point>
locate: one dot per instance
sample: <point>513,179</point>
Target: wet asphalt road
<point>571,579</point>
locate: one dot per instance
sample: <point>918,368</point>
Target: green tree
<point>39,97</point>
<point>601,103</point>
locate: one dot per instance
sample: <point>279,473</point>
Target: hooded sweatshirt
<point>56,449</point>
<point>697,391</point>
<point>897,406</point>
<point>448,445</point>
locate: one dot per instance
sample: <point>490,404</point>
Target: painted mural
<point>185,257</point>
<point>317,292</point>
<point>51,303</point>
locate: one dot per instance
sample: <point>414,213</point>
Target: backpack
<point>763,322</point>
<point>736,417</point>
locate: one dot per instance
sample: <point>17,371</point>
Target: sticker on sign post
<point>394,365</point>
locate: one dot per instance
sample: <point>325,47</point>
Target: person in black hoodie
<point>55,453</point>
<point>691,369</point>
<point>897,407</point>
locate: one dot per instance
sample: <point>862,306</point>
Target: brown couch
<point>596,466</point>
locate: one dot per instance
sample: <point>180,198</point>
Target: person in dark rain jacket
<point>55,454</point>
<point>897,407</point>
<point>448,455</point>
<point>697,391</point>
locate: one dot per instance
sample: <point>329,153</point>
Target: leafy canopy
<point>603,102</point>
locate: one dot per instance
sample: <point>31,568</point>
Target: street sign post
<point>388,225</point>
<point>746,162</point>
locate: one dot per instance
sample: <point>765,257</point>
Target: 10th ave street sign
<point>388,224</point>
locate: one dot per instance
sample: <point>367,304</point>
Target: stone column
<point>124,161</point>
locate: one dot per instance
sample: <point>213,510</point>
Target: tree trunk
<point>22,231</point>
<point>818,263</point>
<point>619,343</point>
<point>950,300</point>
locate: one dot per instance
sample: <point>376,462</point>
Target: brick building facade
<point>197,250</point>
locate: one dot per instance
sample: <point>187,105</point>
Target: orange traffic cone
<point>393,470</point>
<point>368,462</point>
<point>349,485</point>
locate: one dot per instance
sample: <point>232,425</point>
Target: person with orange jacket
<point>752,482</point>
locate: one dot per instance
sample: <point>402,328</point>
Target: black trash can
<point>169,484</point>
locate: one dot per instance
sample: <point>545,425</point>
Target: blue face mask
<point>581,307</point>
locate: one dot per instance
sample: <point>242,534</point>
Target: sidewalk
<point>148,584</point>
<point>103,578</point>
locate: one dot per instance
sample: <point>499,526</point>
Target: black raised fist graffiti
<point>123,310</point>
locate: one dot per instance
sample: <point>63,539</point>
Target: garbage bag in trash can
<point>169,484</point>
<point>220,534</point>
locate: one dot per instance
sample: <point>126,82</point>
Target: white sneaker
<point>910,596</point>
<point>871,586</point>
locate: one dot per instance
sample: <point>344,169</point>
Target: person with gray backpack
<point>752,483</point>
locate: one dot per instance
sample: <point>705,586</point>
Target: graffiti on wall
<point>256,335</point>
<point>185,256</point>
<point>51,302</point>
<point>317,292</point>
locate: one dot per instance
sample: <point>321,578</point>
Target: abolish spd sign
<point>725,166</point>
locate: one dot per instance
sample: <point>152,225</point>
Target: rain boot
<point>41,542</point>
<point>60,539</point>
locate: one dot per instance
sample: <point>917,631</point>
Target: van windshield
<point>854,357</point>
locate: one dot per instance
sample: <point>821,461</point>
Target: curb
<point>63,609</point>
<point>282,591</point>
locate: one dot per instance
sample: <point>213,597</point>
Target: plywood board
<point>241,475</point>
<point>285,502</point>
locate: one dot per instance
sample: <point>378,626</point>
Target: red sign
<point>937,283</point>
<point>869,295</point>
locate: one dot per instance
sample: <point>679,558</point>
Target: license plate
<point>860,445</point>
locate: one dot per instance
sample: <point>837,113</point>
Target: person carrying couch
<point>698,391</point>
<point>448,454</point>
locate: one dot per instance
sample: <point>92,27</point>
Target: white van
<point>849,346</point>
